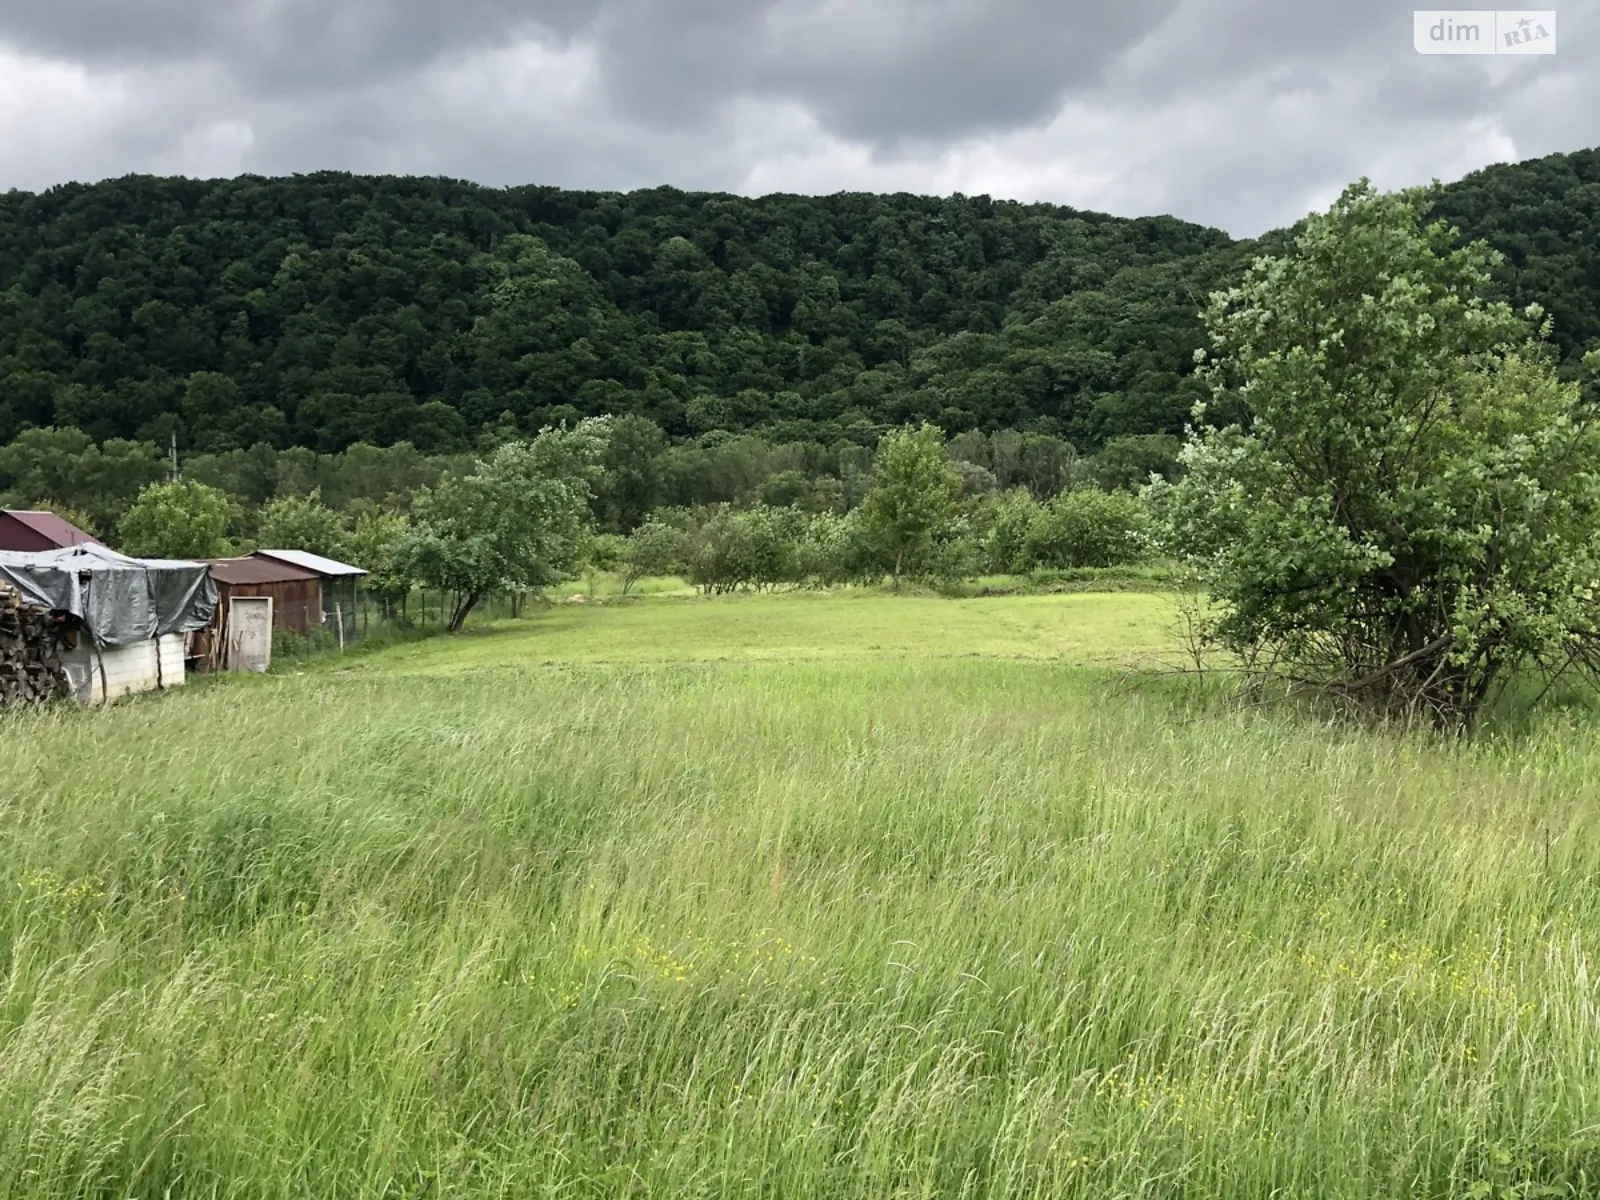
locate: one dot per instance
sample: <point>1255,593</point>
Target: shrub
<point>654,548</point>
<point>955,554</point>
<point>735,548</point>
<point>1090,528</point>
<point>1008,544</point>
<point>607,551</point>
<point>831,551</point>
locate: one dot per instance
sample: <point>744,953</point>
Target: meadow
<point>791,896</point>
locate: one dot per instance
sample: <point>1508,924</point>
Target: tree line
<point>725,512</point>
<point>641,470</point>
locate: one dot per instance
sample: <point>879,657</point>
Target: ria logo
<point>1452,31</point>
<point>1528,30</point>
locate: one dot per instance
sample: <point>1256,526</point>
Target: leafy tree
<point>1127,463</point>
<point>914,491</point>
<point>632,476</point>
<point>1046,465</point>
<point>378,544</point>
<point>181,519</point>
<point>303,523</point>
<point>66,467</point>
<point>718,468</point>
<point>828,495</point>
<point>975,480</point>
<point>519,521</point>
<point>786,489</point>
<point>1408,513</point>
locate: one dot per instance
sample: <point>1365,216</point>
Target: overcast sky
<point>1239,113</point>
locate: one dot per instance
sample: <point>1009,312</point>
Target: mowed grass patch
<point>1121,630</point>
<point>901,926</point>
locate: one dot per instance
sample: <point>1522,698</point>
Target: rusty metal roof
<point>257,570</point>
<point>57,530</point>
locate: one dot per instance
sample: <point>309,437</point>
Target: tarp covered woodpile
<point>32,641</point>
<point>122,601</point>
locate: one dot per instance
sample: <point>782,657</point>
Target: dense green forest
<point>268,325</point>
<point>327,310</point>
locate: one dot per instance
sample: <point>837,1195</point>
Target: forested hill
<point>1544,216</point>
<point>331,309</point>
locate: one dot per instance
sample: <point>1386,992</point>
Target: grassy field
<point>789,897</point>
<point>1112,630</point>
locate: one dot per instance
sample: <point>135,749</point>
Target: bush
<point>1090,528</point>
<point>608,551</point>
<point>832,551</point>
<point>954,555</point>
<point>654,548</point>
<point>1008,540</point>
<point>736,548</point>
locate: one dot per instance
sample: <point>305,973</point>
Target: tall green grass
<point>911,927</point>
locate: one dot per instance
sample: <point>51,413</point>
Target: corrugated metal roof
<point>257,570</point>
<point>327,567</point>
<point>47,525</point>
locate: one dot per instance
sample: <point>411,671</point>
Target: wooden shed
<point>296,595</point>
<point>340,585</point>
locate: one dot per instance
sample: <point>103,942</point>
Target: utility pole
<point>172,459</point>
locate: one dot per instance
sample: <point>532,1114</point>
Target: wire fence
<point>351,621</point>
<point>424,610</point>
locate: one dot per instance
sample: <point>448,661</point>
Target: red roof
<point>257,570</point>
<point>48,527</point>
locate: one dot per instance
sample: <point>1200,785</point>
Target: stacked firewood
<point>32,641</point>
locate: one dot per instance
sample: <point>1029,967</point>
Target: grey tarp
<point>122,600</point>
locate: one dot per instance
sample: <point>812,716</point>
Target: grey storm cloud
<point>883,71</point>
<point>880,70</point>
<point>274,43</point>
<point>1241,113</point>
